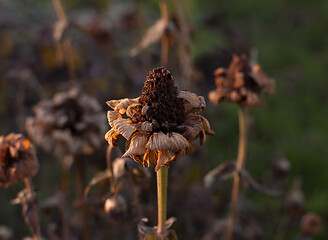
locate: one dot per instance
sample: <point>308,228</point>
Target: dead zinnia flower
<point>240,83</point>
<point>17,159</point>
<point>161,123</point>
<point>70,124</point>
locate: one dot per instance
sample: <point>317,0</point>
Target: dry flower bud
<point>240,83</point>
<point>311,224</point>
<point>17,159</point>
<point>116,207</point>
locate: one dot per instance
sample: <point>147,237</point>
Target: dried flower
<point>69,124</point>
<point>240,83</point>
<point>161,123</point>
<point>311,224</point>
<point>17,159</point>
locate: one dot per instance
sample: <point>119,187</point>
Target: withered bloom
<point>70,124</point>
<point>241,84</point>
<point>160,124</point>
<point>17,159</point>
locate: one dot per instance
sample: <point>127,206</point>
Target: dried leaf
<point>223,171</point>
<point>250,182</point>
<point>98,177</point>
<point>153,34</point>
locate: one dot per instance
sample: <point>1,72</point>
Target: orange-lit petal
<point>193,99</point>
<point>164,157</point>
<point>161,141</point>
<point>123,126</point>
<point>150,158</point>
<point>112,137</point>
<point>136,144</point>
<point>122,105</point>
<point>112,116</point>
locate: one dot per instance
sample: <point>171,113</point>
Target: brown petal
<point>239,80</point>
<point>206,126</point>
<point>164,157</point>
<point>112,137</point>
<point>193,99</point>
<point>136,144</point>
<point>132,109</point>
<point>124,126</point>
<point>150,158</point>
<point>214,97</point>
<point>189,150</point>
<point>137,159</point>
<point>145,127</point>
<point>122,105</point>
<point>202,137</point>
<point>112,116</point>
<point>161,141</point>
<point>193,124</point>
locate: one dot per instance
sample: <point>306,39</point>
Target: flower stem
<point>80,185</point>
<point>164,40</point>
<point>239,166</point>
<point>35,229</point>
<point>161,198</point>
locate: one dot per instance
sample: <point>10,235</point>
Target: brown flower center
<point>159,97</point>
<point>6,160</point>
<point>71,115</point>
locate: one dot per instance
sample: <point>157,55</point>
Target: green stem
<point>161,198</point>
<point>239,166</point>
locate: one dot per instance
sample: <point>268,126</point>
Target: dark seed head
<point>161,95</point>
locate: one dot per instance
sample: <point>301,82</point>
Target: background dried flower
<point>17,159</point>
<point>72,123</point>
<point>241,83</point>
<point>161,123</point>
<point>311,224</point>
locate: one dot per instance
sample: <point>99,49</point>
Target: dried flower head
<point>240,83</point>
<point>160,124</point>
<point>72,123</point>
<point>311,224</point>
<point>17,159</point>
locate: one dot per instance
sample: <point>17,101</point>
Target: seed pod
<point>116,207</point>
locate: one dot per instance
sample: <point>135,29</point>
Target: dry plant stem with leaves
<point>35,209</point>
<point>242,149</point>
<point>159,129</point>
<point>240,84</point>
<point>18,162</point>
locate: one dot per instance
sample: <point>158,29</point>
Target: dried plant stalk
<point>239,166</point>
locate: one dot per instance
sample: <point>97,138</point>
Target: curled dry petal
<point>133,109</point>
<point>161,141</point>
<point>150,158</point>
<point>206,126</point>
<point>193,99</point>
<point>193,126</point>
<point>123,126</point>
<point>136,144</point>
<point>189,150</point>
<point>112,137</point>
<point>112,116</point>
<point>164,157</point>
<point>145,127</point>
<point>122,105</point>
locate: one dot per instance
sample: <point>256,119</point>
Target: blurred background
<point>287,38</point>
